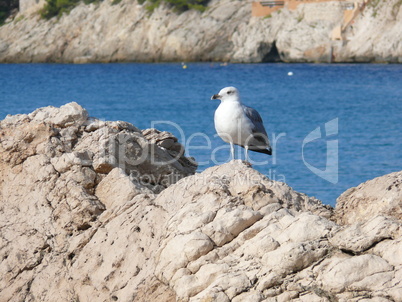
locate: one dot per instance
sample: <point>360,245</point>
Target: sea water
<point>332,126</point>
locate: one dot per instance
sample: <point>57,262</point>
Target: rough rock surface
<point>355,205</point>
<point>63,177</point>
<point>226,31</point>
<point>74,226</point>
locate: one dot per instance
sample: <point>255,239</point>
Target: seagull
<point>238,124</point>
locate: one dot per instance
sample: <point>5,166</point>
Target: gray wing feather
<point>255,118</point>
<point>260,141</point>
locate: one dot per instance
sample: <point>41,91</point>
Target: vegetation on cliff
<point>224,32</point>
<point>6,8</point>
<point>54,8</point>
<point>177,5</point>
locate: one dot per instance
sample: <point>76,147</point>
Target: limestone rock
<point>67,115</point>
<point>343,272</point>
<point>359,237</point>
<point>163,139</point>
<point>379,196</point>
<point>275,245</point>
<point>74,230</point>
<point>109,32</point>
<point>54,200</point>
<point>117,188</point>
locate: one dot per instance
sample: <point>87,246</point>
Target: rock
<point>27,6</point>
<point>225,31</point>
<point>379,196</point>
<point>359,237</point>
<point>19,144</point>
<point>76,232</point>
<point>67,115</point>
<point>52,193</point>
<point>122,145</point>
<point>239,229</point>
<point>390,250</point>
<point>278,252</point>
<point>163,139</point>
<point>117,188</point>
<point>344,272</point>
<point>68,160</point>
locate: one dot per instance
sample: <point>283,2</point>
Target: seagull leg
<point>232,151</point>
<point>246,161</point>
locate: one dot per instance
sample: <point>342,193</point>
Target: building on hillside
<point>266,8</point>
<point>351,8</point>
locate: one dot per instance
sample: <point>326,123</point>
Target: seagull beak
<point>216,97</point>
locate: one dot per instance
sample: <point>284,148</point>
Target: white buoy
<point>290,73</point>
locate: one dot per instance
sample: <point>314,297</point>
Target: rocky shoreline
<point>226,31</point>
<point>93,210</point>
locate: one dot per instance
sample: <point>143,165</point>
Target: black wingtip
<point>265,151</point>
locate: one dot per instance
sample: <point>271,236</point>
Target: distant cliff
<point>226,31</point>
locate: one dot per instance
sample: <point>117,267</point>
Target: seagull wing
<point>256,120</point>
<point>258,130</point>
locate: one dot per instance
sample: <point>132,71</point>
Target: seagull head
<point>227,94</point>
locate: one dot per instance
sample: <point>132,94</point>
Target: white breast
<point>230,123</point>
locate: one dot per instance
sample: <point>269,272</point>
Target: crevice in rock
<point>318,262</point>
<point>323,294</point>
<point>73,254</point>
<point>349,252</point>
<point>83,227</point>
<point>70,256</point>
<point>31,266</point>
<point>272,55</point>
<point>376,242</point>
<point>356,253</point>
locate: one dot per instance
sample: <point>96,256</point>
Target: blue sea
<point>332,126</point>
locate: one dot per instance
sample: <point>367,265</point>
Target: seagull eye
<point>230,92</point>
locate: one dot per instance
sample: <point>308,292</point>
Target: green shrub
<point>151,5</point>
<point>3,17</point>
<point>6,8</point>
<point>177,5</point>
<point>54,8</point>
